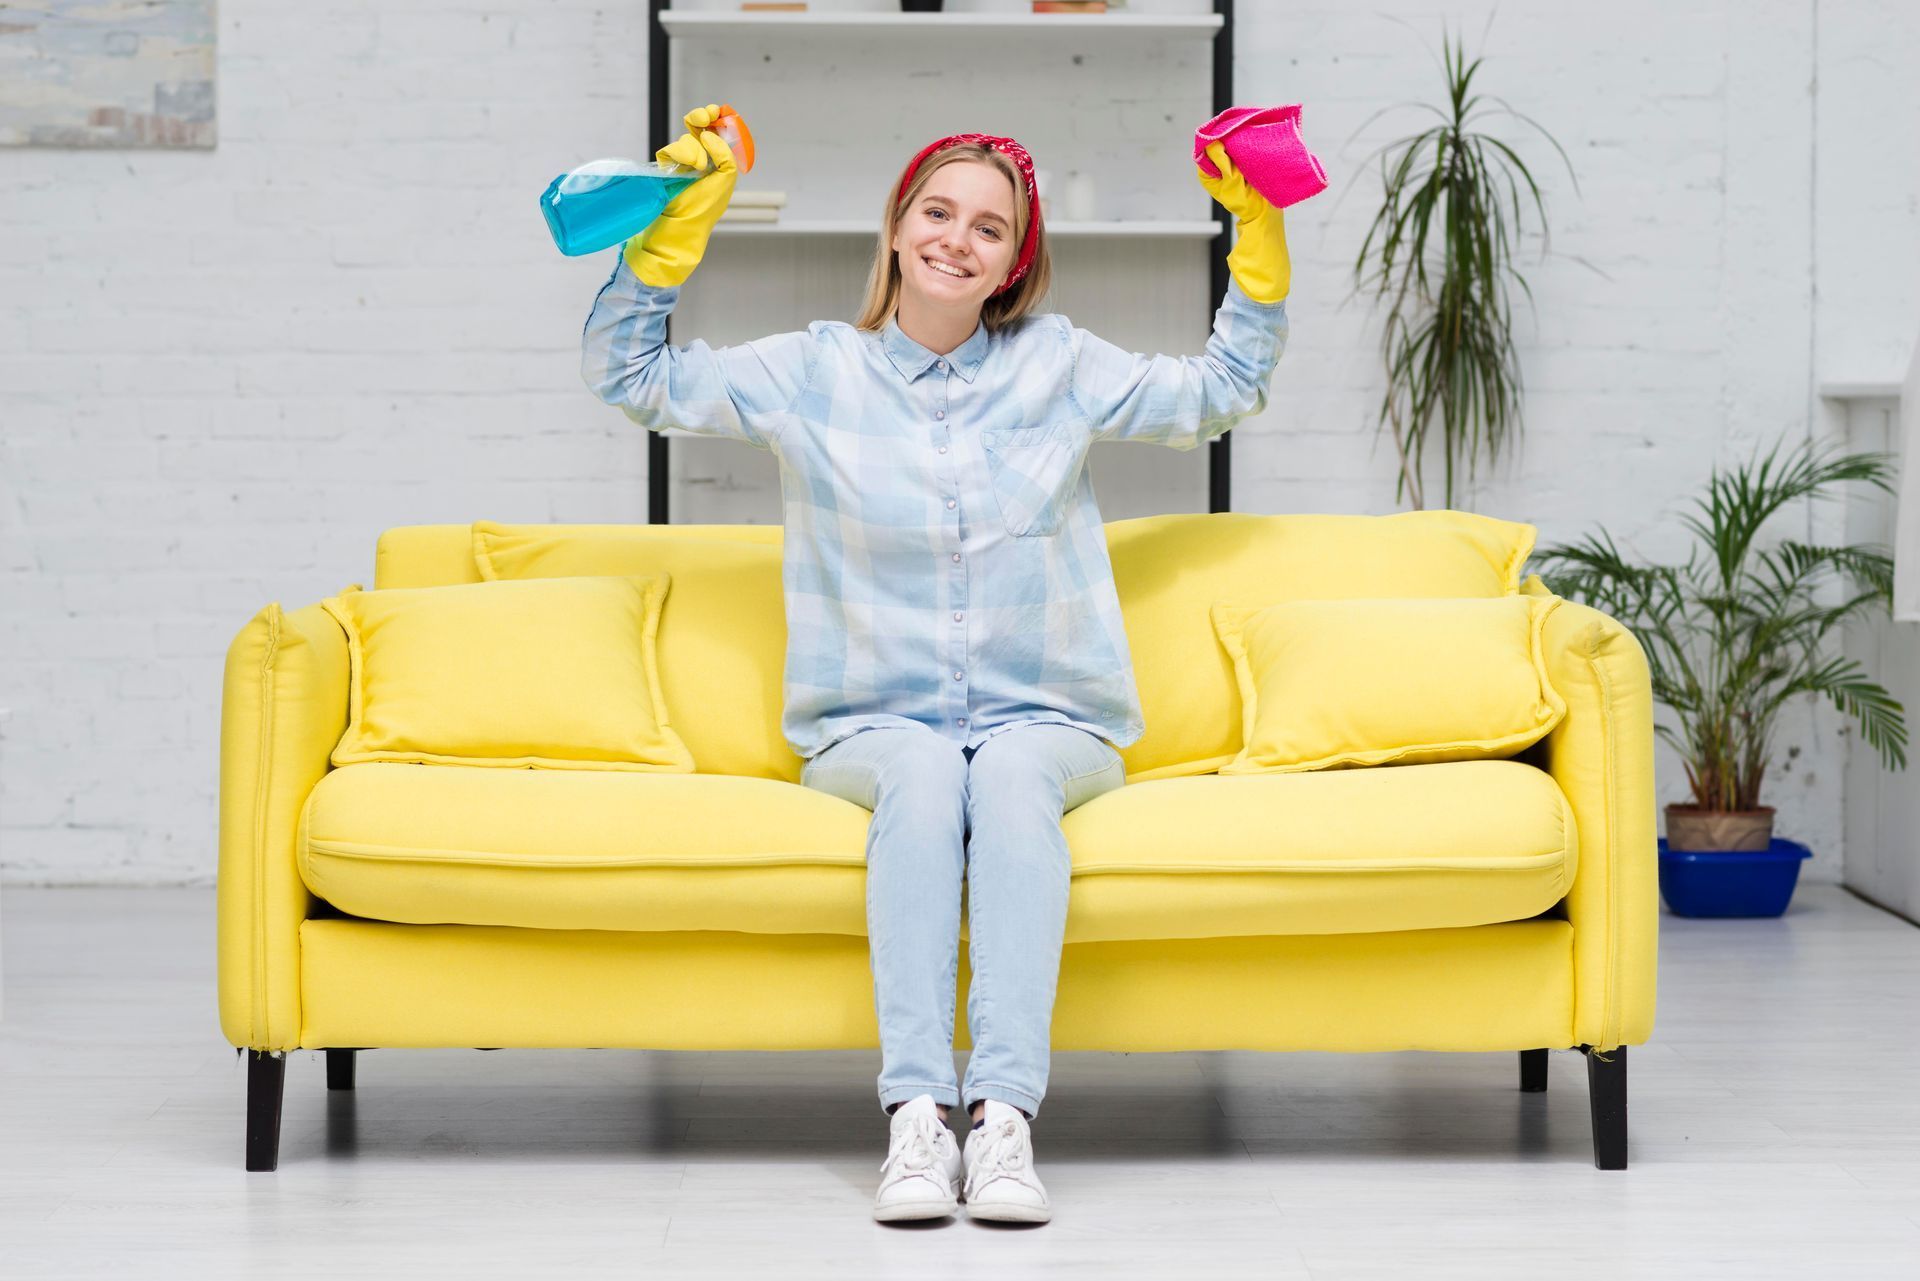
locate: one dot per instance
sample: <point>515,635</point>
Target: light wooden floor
<point>1775,1133</point>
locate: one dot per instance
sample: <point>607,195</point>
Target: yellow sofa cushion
<point>563,849</point>
<point>559,673</point>
<point>1170,570</point>
<point>723,636</point>
<point>1328,852</point>
<point>723,639</point>
<point>1330,684</point>
<point>1345,851</point>
<point>439,555</point>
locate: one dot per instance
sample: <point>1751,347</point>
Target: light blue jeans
<point>989,817</point>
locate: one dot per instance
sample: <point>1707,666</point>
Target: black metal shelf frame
<point>660,124</point>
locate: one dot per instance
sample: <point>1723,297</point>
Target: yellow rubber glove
<point>1258,259</point>
<point>667,252</point>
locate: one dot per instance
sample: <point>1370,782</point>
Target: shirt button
<point>939,364</point>
<point>958,675</point>
<point>949,503</point>
<point>939,413</point>
<point>956,615</point>
<point>956,556</point>
<point>943,449</point>
<point>960,720</point>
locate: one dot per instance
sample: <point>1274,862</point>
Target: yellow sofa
<point>1476,905</point>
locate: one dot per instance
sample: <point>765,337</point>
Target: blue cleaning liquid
<point>599,205</point>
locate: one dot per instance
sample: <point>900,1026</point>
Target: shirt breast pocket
<point>1035,471</point>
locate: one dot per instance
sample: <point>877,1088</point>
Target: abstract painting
<point>107,73</point>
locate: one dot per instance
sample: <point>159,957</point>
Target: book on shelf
<point>1069,6</point>
<point>743,199</point>
<point>749,214</point>
<point>771,6</point>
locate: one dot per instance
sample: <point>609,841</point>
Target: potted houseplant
<point>1440,253</point>
<point>1730,637</point>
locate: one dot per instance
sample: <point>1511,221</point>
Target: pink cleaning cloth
<point>1264,143</point>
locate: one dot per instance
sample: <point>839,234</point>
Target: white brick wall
<point>223,374</point>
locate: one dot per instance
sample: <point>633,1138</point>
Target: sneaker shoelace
<point>919,1152</point>
<point>1001,1154</point>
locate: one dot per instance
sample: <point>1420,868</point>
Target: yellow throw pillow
<point>723,639</point>
<point>557,672</point>
<point>1328,684</point>
<point>1171,569</point>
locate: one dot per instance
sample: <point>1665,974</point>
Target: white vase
<point>1077,201</point>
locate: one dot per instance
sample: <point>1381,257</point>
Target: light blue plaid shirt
<point>945,563</point>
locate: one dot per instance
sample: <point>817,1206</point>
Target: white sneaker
<point>921,1175</point>
<point>1001,1183</point>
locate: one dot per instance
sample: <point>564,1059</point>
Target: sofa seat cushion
<point>577,849</point>
<point>1389,847</point>
<point>1396,847</point>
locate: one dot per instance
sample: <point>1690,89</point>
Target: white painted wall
<point>1882,805</point>
<point>1866,307</point>
<point>223,373</point>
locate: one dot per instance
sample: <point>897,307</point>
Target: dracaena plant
<point>1736,632</point>
<point>1440,253</point>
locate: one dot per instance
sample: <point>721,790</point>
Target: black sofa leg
<point>1607,1095</point>
<point>266,1081</point>
<point>1533,1071</point>
<point>340,1069</point>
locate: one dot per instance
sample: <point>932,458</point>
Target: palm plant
<point>1730,639</point>
<point>1448,341</point>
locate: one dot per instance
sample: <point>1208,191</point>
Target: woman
<point>956,661</point>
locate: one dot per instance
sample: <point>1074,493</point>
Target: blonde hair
<point>883,281</point>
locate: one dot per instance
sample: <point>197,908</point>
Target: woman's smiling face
<point>955,242</point>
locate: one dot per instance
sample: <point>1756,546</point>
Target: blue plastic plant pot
<point>1731,882</point>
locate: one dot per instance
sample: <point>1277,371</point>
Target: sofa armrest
<point>1601,755</point>
<point>283,708</point>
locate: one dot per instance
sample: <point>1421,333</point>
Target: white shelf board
<point>1195,229</point>
<point>1886,390</point>
<point>720,23</point>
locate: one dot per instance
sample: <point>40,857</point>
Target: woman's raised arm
<point>742,392</point>
<point>738,392</point>
<point>1181,401</point>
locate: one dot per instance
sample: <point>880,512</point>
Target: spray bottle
<point>606,202</point>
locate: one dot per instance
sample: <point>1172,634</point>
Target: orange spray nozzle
<point>729,125</point>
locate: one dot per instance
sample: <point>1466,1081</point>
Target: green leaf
<point>1440,249</point>
<point>1732,637</point>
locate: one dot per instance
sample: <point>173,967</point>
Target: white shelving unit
<point>1118,287</point>
<point>699,22</point>
<point>871,227</point>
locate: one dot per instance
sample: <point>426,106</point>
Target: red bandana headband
<point>1021,160</point>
